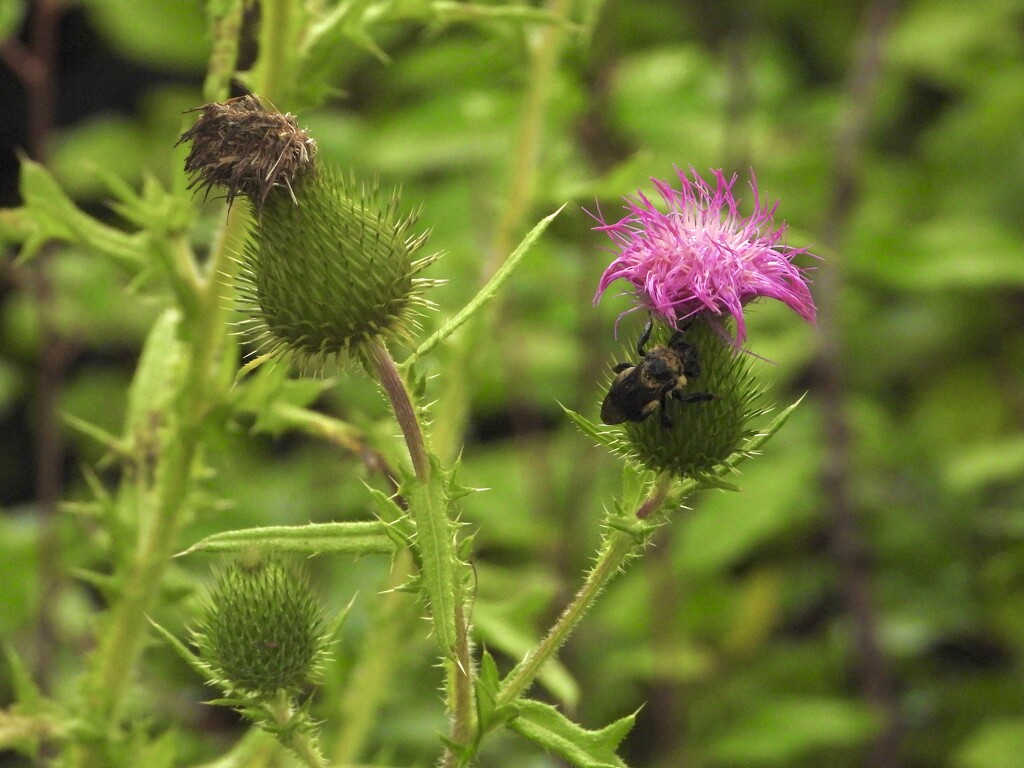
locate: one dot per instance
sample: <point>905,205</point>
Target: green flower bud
<point>262,631</point>
<point>330,263</point>
<point>697,426</point>
<point>331,271</point>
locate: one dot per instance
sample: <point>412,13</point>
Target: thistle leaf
<point>484,295</point>
<point>154,385</point>
<point>546,726</point>
<point>26,693</point>
<point>609,438</point>
<point>187,656</point>
<point>435,548</point>
<point>49,214</point>
<point>352,538</point>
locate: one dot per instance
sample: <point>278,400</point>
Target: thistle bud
<point>330,263</point>
<point>262,631</point>
<point>334,270</point>
<point>695,427</point>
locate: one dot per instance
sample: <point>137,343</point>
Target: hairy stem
<point>296,739</point>
<point>405,413</point>
<point>617,549</point>
<point>460,676</point>
<point>436,540</point>
<point>121,642</point>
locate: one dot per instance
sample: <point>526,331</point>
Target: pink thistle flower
<point>702,255</point>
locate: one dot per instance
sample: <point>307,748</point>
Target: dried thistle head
<point>247,149</point>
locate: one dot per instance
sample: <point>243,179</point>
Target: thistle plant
<point>701,256</point>
<point>327,270</point>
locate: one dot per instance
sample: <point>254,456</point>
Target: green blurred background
<point>859,603</point>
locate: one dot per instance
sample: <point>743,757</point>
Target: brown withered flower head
<point>247,149</point>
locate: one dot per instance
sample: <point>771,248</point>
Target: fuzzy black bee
<point>639,388</point>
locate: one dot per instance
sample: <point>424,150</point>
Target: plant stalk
<point>121,642</point>
<point>435,530</point>
<point>405,413</point>
<point>297,740</point>
<point>618,548</point>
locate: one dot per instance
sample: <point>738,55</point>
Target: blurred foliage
<point>732,630</point>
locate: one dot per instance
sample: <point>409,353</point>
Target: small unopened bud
<point>262,631</point>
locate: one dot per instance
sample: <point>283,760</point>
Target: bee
<point>639,388</point>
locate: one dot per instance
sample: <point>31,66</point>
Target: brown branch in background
<point>34,63</point>
<point>846,536</point>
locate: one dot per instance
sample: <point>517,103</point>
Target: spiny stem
<point>434,518</point>
<point>298,741</point>
<point>461,684</point>
<point>121,642</point>
<point>405,413</point>
<point>618,547</point>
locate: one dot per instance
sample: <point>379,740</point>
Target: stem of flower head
<point>619,546</point>
<point>121,644</point>
<point>657,497</point>
<point>461,687</point>
<point>405,413</point>
<point>297,740</point>
<point>437,533</point>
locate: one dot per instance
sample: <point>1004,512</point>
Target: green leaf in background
<point>485,294</point>
<point>350,538</point>
<point>783,730</point>
<point>12,12</point>
<point>548,727</point>
<point>156,378</point>
<point>278,401</point>
<point>49,214</point>
<point>163,33</point>
<point>997,744</point>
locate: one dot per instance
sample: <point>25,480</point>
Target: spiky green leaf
<point>49,214</point>
<point>186,655</point>
<point>435,550</point>
<point>548,727</point>
<point>485,294</point>
<point>351,538</point>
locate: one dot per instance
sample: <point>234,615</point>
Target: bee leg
<point>620,367</point>
<point>666,422</point>
<point>645,337</point>
<point>691,366</point>
<point>694,397</point>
